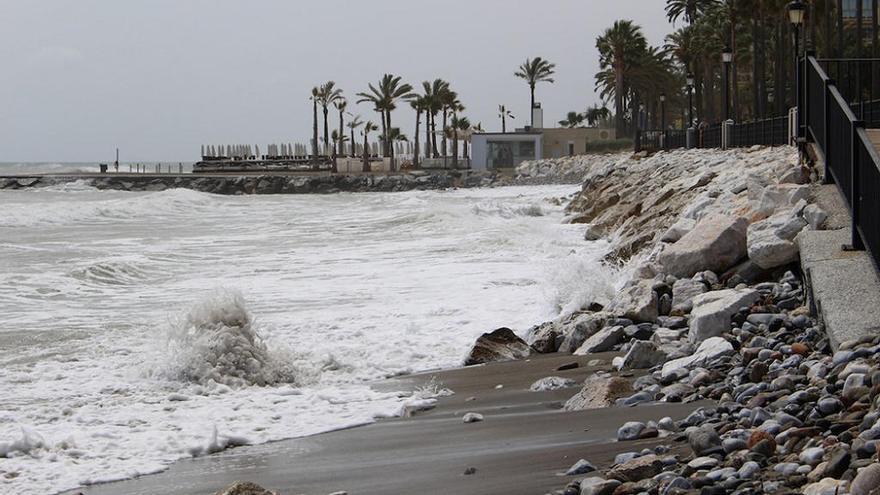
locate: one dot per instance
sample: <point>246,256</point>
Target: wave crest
<point>497,208</point>
<point>217,342</point>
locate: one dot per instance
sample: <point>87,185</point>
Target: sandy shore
<point>524,443</point>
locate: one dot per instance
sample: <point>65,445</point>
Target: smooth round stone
<point>812,456</point>
<point>582,466</point>
<point>867,479</point>
<point>722,473</point>
<point>841,357</point>
<point>786,468</point>
<point>625,457</point>
<point>630,431</point>
<point>733,444</point>
<point>667,424</point>
<point>828,405</point>
<point>771,426</point>
<point>749,470</point>
<point>804,469</point>
<point>703,463</point>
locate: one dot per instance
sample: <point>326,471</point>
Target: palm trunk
<point>315,133</point>
<point>339,148</point>
<point>326,134</point>
<point>454,144</point>
<point>618,100</point>
<point>443,150</point>
<point>708,91</point>
<point>698,93</point>
<point>366,152</point>
<point>427,133</point>
<point>434,135</point>
<point>390,144</point>
<point>416,144</point>
<point>384,133</point>
<point>353,147</point>
<point>532,105</point>
<point>503,124</point>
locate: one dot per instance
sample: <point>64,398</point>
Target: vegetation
<point>533,71</point>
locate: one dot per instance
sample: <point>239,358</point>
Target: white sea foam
<point>120,355</point>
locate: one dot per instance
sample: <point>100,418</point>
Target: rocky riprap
<point>269,184</point>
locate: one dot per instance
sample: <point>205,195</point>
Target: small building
<point>493,150</point>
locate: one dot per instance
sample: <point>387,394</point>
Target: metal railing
<point>858,81</point>
<point>841,140</point>
<point>767,132</point>
<point>656,140</point>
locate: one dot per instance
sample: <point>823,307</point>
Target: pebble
<point>472,417</point>
<point>866,481</point>
<point>581,467</point>
<point>630,431</point>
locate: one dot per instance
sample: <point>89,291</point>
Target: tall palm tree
<point>353,124</point>
<point>464,130</point>
<point>384,97</point>
<point>316,95</point>
<point>433,92</point>
<point>340,105</point>
<point>572,120</point>
<point>420,105</point>
<point>504,114</point>
<point>394,137</point>
<point>618,46</point>
<point>329,93</point>
<point>534,71</point>
<point>596,114</point>
<point>368,128</point>
<point>455,108</point>
<point>338,139</point>
<point>689,9</point>
<point>448,101</point>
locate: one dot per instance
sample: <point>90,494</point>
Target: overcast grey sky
<point>160,77</point>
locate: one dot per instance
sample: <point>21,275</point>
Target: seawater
<point>140,328</point>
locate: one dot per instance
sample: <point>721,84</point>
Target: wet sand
<point>522,446</point>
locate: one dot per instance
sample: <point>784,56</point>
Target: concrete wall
<point>556,141</point>
<point>480,147</point>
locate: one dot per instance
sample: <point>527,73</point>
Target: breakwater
<point>266,183</point>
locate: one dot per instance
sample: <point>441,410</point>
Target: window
<point>508,154</point>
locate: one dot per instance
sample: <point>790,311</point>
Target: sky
<point>158,78</point>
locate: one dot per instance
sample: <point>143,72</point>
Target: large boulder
<point>601,341</point>
<point>245,488</point>
<point>638,302</point>
<point>543,338</point>
<point>499,345</point>
<point>637,469</point>
<point>716,243</point>
<point>576,331</point>
<point>776,196</point>
<point>771,241</point>
<point>643,354</point>
<point>684,290</point>
<point>710,316</point>
<point>709,349</point>
<point>599,391</point>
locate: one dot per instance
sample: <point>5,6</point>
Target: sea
<point>139,328</point>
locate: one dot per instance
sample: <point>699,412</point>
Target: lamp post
<point>796,11</point>
<point>663,111</point>
<point>690,87</point>
<point>726,58</point>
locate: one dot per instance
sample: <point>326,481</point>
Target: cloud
<point>52,58</point>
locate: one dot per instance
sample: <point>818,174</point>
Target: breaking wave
<point>113,273</point>
<point>500,209</point>
<point>217,342</point>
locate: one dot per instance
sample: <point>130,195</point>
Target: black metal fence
<point>858,81</point>
<point>767,132</point>
<point>656,140</point>
<point>840,137</point>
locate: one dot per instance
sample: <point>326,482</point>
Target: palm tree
<point>433,92</point>
<point>329,93</point>
<point>338,140</point>
<point>420,105</point>
<point>384,98</point>
<point>572,120</point>
<point>596,114</point>
<point>463,128</point>
<point>368,128</point>
<point>618,46</point>
<point>395,136</point>
<point>316,95</point>
<point>689,9</point>
<point>448,100</point>
<point>534,71</point>
<point>353,124</point>
<point>340,105</point>
<point>455,108</point>
<point>504,114</point>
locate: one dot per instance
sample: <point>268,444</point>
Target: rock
<point>577,331</point>
<point>748,470</point>
<point>601,341</point>
<point>630,431</point>
<point>472,417</point>
<point>867,481</point>
<point>667,424</point>
<point>599,391</point>
<point>812,456</point>
<point>828,405</point>
<point>638,302</point>
<point>704,441</point>
<point>499,345</point>
<point>637,469</point>
<point>770,241</point>
<point>245,488</point>
<point>776,196</point>
<point>543,338</point>
<point>643,354</point>
<point>598,486</point>
<point>551,383</point>
<point>699,463</point>
<point>567,366</point>
<point>580,467</point>
<point>712,311</point>
<point>827,486</point>
<point>716,243</point>
<point>681,227</point>
<point>838,463</point>
<point>815,216</point>
<point>710,349</point>
<point>684,290</point>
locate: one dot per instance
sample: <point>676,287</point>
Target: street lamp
<point>796,11</point>
<point>663,111</point>
<point>726,59</point>
<point>691,81</point>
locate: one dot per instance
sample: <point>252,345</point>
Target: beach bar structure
<point>494,150</point>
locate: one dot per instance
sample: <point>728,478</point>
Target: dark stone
<point>567,366</point>
<point>837,463</point>
<point>499,345</point>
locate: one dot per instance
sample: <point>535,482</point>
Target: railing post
<point>855,187</point>
<point>637,142</point>
<point>827,178</point>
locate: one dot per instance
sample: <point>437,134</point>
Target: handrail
<point>869,145</point>
<point>840,100</point>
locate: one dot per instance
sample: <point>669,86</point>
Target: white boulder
<point>710,349</point>
<point>710,316</point>
<point>716,243</point>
